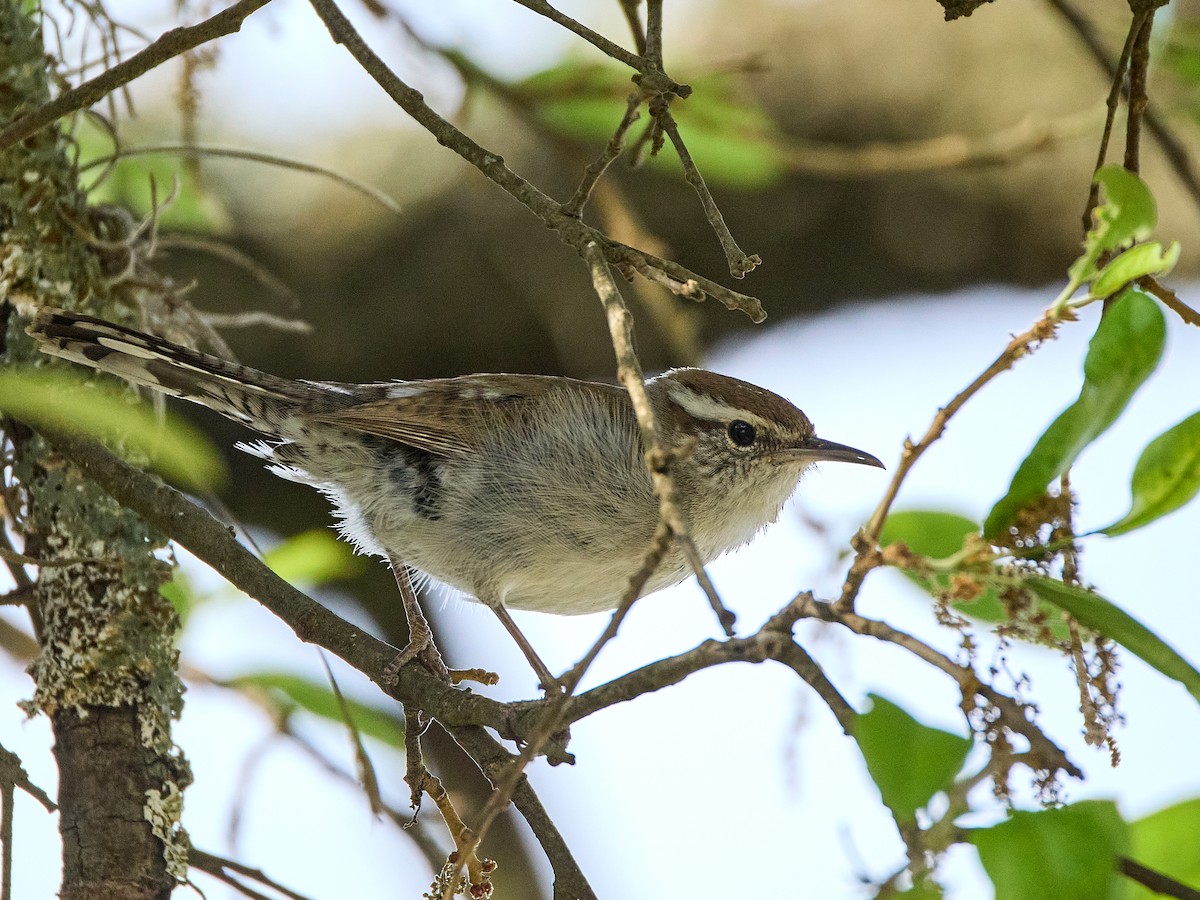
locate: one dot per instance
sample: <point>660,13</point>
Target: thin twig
<point>659,458</point>
<point>1112,103</point>
<point>1139,65</point>
<point>773,641</point>
<point>739,262</point>
<point>654,35</point>
<point>466,842</point>
<point>283,162</point>
<point>407,823</point>
<point>616,143</point>
<point>494,761</point>
<point>219,867</point>
<point>659,90</point>
<point>1169,299</point>
<point>866,557</point>
<point>414,759</point>
<point>13,776</point>
<point>263,276</point>
<point>7,795</point>
<point>630,9</point>
<point>672,527</point>
<point>616,51</point>
<point>1155,880</point>
<point>569,228</point>
<point>1013,714</point>
<point>799,661</point>
<point>1173,148</point>
<point>15,567</point>
<point>255,318</point>
<point>171,44</point>
<point>681,281</point>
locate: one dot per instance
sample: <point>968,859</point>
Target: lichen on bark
<point>106,671</point>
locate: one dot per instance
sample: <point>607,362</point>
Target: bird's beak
<point>817,449</point>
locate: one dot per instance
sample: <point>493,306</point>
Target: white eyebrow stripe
<point>709,409</point>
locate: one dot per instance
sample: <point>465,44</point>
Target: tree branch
<point>171,44</point>
<point>568,227</point>
<point>616,51</point>
<point>210,541</point>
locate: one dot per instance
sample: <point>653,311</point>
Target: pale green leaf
<point>1167,476</point>
<point>731,138</point>
<point>1125,213</point>
<point>1125,349</point>
<point>319,699</point>
<point>67,403</point>
<point>1165,841</point>
<point>1137,261</point>
<point>313,557</point>
<point>1069,853</point>
<point>908,761</point>
<point>1101,615</point>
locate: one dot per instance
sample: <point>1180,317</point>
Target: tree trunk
<point>105,674</point>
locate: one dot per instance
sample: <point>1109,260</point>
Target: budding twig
<point>866,556</point>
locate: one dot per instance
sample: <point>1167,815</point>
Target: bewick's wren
<point>524,491</point>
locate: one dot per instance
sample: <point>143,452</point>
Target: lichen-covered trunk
<point>105,674</point>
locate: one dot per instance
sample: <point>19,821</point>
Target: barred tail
<point>247,395</point>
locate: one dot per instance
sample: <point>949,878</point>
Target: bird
<point>525,492</point>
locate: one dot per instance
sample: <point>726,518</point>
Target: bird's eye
<point>742,433</point>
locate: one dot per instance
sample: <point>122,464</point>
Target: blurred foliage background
<point>862,149</point>
<point>865,150</point>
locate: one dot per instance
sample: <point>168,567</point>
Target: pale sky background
<point>759,785</point>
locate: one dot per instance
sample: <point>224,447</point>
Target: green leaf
<point>1126,213</point>
<point>180,594</point>
<point>925,889</point>
<point>319,699</point>
<point>908,761</point>
<point>1167,476</point>
<point>733,141</point>
<point>67,403</point>
<point>313,557</point>
<point>931,533</point>
<point>1166,842</point>
<point>1125,349</point>
<point>1068,853</point>
<point>1101,615</point>
<point>1129,213</point>
<point>129,181</point>
<point>938,535</point>
<point>1138,260</point>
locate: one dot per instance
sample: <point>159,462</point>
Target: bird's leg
<point>420,636</point>
<point>420,644</point>
<point>549,683</point>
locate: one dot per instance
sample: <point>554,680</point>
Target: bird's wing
<point>445,416</point>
